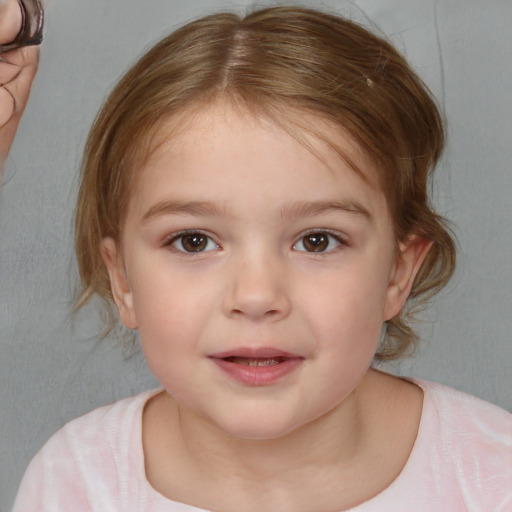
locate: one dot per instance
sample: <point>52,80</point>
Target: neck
<point>336,461</point>
<point>336,436</point>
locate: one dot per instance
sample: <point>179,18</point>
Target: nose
<point>257,290</point>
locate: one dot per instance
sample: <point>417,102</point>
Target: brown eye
<point>317,242</point>
<point>194,242</point>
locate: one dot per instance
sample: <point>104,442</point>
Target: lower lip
<point>258,375</point>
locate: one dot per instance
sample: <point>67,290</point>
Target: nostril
<point>256,296</point>
<point>251,313</point>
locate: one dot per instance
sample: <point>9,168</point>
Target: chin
<point>258,427</point>
<point>253,427</point>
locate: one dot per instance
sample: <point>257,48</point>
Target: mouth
<point>256,367</point>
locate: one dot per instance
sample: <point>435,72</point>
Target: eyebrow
<point>307,209</point>
<point>292,210</point>
<point>172,207</point>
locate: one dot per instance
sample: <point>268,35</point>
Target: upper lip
<point>254,353</point>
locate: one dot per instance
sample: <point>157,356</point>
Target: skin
<point>332,424</point>
<point>17,70</point>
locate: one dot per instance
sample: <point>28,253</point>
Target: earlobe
<point>413,253</point>
<point>119,285</point>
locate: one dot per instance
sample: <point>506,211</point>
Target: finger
<point>10,20</point>
<point>20,85</point>
<point>8,72</point>
<point>13,98</point>
<point>6,106</point>
<point>25,56</point>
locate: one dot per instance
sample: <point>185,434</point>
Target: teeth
<point>253,362</point>
<point>265,362</point>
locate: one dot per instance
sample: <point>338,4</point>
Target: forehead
<point>198,151</point>
<point>194,128</point>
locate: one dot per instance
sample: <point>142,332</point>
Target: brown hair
<point>274,61</point>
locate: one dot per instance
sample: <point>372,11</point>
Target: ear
<point>119,285</point>
<point>408,263</point>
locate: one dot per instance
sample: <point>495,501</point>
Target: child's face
<point>258,276</point>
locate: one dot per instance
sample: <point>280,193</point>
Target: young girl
<point>254,202</point>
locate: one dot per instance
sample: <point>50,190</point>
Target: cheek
<point>348,303</point>
<point>168,316</point>
<point>166,331</point>
<point>172,313</point>
<point>162,293</point>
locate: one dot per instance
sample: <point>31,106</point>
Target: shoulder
<point>468,415</point>
<point>88,459</point>
<point>102,429</point>
<point>99,420</point>
<point>469,441</point>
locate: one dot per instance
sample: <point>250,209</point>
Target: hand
<point>17,70</point>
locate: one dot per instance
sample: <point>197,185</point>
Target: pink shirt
<point>461,461</point>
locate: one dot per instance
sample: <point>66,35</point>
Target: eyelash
<point>175,238</point>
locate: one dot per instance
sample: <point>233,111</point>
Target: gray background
<point>52,368</point>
